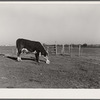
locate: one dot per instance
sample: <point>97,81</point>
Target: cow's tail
<point>16,51</point>
<point>17,46</point>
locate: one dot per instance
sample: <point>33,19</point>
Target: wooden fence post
<point>79,49</point>
<point>62,51</point>
<point>56,49</point>
<point>70,49</point>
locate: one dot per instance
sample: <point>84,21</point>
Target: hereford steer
<point>31,46</point>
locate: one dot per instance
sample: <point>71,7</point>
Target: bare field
<point>63,71</point>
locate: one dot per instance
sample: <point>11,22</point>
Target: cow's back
<point>30,45</point>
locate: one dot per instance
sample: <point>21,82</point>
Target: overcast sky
<point>49,22</point>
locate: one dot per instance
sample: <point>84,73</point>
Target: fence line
<point>70,50</point>
<point>53,49</point>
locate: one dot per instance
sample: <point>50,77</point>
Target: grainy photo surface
<point>49,45</point>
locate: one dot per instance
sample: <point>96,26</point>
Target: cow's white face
<point>47,60</point>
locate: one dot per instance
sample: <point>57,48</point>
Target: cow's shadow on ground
<point>31,58</point>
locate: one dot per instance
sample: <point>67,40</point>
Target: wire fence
<point>63,49</point>
<point>72,50</point>
<point>59,49</point>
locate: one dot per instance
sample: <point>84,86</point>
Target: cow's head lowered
<point>44,53</point>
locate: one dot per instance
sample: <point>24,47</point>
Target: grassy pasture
<point>63,71</point>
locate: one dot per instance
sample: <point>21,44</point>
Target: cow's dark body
<point>31,46</point>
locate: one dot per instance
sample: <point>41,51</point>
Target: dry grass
<point>62,72</point>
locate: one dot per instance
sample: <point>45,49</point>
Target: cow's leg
<point>37,56</point>
<point>18,55</point>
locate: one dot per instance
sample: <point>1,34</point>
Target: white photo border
<point>50,93</point>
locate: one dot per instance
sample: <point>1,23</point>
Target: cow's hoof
<point>37,63</point>
<point>19,59</point>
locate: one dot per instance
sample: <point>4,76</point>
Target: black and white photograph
<point>49,45</point>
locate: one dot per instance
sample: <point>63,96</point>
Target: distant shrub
<point>84,45</point>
